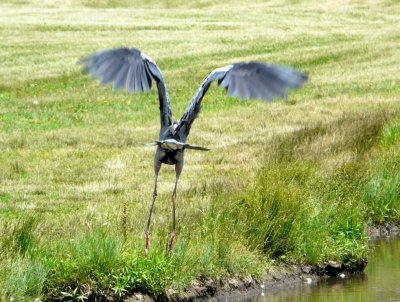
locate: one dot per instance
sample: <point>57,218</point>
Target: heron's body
<point>130,69</point>
<point>169,156</point>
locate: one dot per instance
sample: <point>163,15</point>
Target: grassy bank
<point>295,181</point>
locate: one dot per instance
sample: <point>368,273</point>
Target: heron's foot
<point>171,243</point>
<point>146,243</point>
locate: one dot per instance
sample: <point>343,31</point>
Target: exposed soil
<point>282,276</point>
<point>376,232</point>
<point>228,288</point>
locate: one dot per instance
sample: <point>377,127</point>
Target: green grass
<point>295,181</point>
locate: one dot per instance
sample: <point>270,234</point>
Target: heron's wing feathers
<point>123,67</point>
<point>192,111</point>
<point>246,81</point>
<point>131,70</point>
<point>261,81</point>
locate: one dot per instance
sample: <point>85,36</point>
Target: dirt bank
<point>282,276</point>
<point>376,232</point>
<point>227,288</point>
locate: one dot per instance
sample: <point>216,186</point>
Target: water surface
<point>379,282</point>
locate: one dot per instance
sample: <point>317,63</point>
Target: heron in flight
<point>132,70</point>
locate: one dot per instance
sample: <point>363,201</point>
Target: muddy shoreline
<point>284,275</point>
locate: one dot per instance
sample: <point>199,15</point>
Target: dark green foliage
<point>91,259</point>
<point>18,238</point>
<point>150,274</point>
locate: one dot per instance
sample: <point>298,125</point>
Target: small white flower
<point>309,280</point>
<point>342,275</point>
<point>35,102</point>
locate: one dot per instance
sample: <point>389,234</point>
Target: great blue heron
<point>132,70</point>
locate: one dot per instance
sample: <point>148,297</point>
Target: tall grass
<point>382,193</point>
<point>25,279</point>
<point>23,272</point>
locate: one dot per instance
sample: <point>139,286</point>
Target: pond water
<point>379,282</point>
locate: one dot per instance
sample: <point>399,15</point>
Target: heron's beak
<point>194,147</point>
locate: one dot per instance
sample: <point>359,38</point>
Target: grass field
<point>293,181</point>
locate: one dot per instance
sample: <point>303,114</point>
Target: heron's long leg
<point>157,166</point>
<point>178,170</point>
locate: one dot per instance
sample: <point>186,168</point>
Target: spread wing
<point>131,70</point>
<point>246,81</point>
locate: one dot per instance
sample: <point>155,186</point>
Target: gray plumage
<point>131,70</point>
